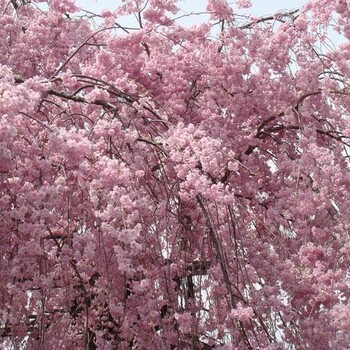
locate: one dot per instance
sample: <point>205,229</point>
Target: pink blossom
<point>165,185</point>
<point>243,3</point>
<point>242,313</point>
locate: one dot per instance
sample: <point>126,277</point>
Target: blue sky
<point>259,7</point>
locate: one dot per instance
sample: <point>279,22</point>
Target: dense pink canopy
<point>171,186</point>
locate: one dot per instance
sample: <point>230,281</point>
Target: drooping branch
<point>279,16</point>
<point>64,64</point>
<point>218,249</point>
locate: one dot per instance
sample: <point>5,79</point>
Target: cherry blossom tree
<point>169,186</point>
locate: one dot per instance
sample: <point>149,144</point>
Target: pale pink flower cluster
<point>169,186</point>
<point>244,3</point>
<point>220,9</point>
<point>242,313</point>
